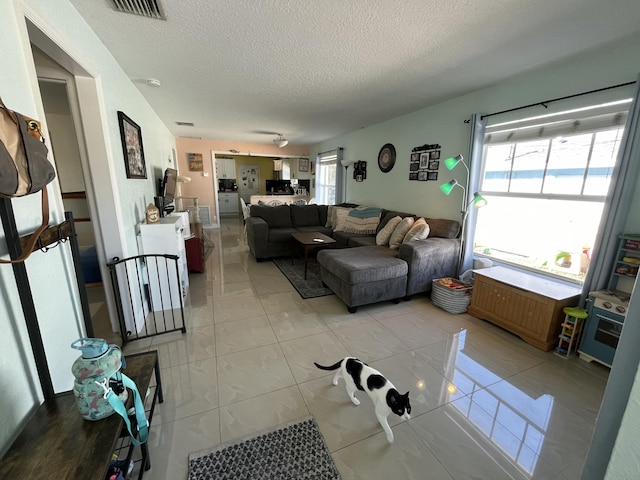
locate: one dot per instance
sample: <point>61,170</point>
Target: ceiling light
<point>153,82</point>
<point>281,141</point>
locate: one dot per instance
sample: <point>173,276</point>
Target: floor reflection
<point>524,417</point>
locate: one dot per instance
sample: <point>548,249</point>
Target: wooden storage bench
<point>522,303</point>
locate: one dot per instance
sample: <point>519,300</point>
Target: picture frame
<point>434,165</point>
<point>422,176</point>
<point>414,166</point>
<point>359,178</point>
<point>435,155</point>
<point>132,148</point>
<point>424,161</point>
<point>432,175</point>
<point>303,165</point>
<point>413,176</point>
<point>415,157</point>
<point>194,160</point>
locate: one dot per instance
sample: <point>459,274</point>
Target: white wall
<point>51,274</point>
<point>444,124</point>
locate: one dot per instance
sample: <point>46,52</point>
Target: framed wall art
<point>434,165</point>
<point>422,176</point>
<point>432,175</point>
<point>303,165</point>
<point>435,155</point>
<point>424,160</point>
<point>195,162</point>
<point>132,149</point>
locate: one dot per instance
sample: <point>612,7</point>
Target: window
<point>546,185</point>
<point>326,165</point>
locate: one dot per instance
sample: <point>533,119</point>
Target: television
<point>167,191</point>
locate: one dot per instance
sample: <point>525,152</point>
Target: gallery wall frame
<point>132,148</point>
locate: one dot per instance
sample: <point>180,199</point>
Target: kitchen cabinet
<point>225,168</point>
<point>166,286</point>
<point>522,303</point>
<point>228,203</point>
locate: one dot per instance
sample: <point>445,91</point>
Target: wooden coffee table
<point>311,242</point>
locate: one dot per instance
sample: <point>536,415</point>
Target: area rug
<point>311,287</point>
<point>293,451</point>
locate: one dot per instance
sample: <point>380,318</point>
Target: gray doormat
<point>311,287</point>
<point>292,451</point>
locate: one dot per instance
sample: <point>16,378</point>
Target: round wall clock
<point>387,157</point>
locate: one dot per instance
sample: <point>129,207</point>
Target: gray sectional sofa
<point>365,273</point>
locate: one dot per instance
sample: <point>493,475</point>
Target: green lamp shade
<point>451,162</point>
<point>479,201</point>
<point>447,187</point>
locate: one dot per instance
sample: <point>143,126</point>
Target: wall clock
<point>387,157</point>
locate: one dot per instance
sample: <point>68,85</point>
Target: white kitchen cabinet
<point>229,203</point>
<point>166,286</point>
<point>225,168</point>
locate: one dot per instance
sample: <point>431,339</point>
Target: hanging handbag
<point>100,388</point>
<point>24,166</point>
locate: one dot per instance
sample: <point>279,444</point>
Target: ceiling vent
<point>185,124</point>
<point>143,8</point>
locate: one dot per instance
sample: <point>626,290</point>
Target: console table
<point>522,303</point>
<point>58,443</point>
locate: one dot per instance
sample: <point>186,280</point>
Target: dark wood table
<point>58,443</point>
<point>310,242</point>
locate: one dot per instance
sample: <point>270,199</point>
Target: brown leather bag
<point>24,166</point>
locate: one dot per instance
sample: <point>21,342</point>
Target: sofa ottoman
<point>363,275</point>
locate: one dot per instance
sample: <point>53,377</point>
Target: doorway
<point>61,106</point>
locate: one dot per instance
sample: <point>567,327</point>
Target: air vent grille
<point>143,8</point>
<point>185,124</point>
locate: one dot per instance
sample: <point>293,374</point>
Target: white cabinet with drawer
<point>229,203</point>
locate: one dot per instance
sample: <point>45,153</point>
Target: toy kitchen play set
<point>608,308</point>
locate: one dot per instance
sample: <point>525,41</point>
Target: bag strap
<point>33,238</point>
<point>118,405</point>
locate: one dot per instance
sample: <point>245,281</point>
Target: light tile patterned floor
<point>485,404</point>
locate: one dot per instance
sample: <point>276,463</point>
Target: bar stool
<point>571,329</point>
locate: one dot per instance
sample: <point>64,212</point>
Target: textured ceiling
<point>314,69</point>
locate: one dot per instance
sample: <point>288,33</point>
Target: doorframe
<point>226,153</point>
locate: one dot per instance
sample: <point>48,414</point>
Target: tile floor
<point>485,404</point>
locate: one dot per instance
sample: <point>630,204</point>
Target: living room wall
<point>444,124</point>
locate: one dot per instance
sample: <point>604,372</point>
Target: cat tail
<point>335,366</point>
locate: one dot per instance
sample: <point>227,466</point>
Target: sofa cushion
<point>322,214</point>
<point>384,234</point>
<point>419,231</point>
<point>332,215</point>
<point>363,265</point>
<point>316,228</point>
<point>275,217</point>
<point>280,235</point>
<point>362,241</point>
<point>304,215</point>
<point>443,228</point>
<point>399,233</point>
<point>340,219</point>
<point>389,214</point>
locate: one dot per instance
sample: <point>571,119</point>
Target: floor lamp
<point>477,200</point>
<point>345,164</point>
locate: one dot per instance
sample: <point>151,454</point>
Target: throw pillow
<point>419,231</point>
<point>362,220</point>
<point>383,236</point>
<point>399,233</point>
<point>340,222</point>
<point>330,210</point>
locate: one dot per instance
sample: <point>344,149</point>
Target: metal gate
<point>148,295</point>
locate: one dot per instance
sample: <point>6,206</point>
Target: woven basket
<point>452,300</point>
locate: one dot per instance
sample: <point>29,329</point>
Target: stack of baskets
<point>451,295</point>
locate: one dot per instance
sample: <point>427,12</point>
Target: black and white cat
<point>360,376</point>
